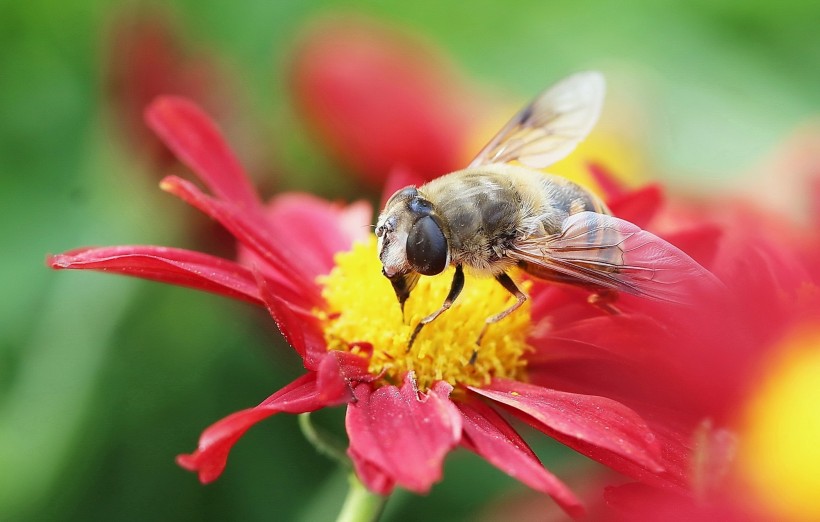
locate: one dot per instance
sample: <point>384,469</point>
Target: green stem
<point>324,443</point>
<point>361,505</point>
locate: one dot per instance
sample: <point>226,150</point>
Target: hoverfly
<point>501,212</point>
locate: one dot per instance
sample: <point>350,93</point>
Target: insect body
<point>495,215</point>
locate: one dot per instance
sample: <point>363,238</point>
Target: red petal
<point>595,426</point>
<point>167,265</point>
<point>335,226</point>
<point>251,231</point>
<point>399,178</point>
<point>638,206</point>
<point>319,228</point>
<point>330,380</point>
<point>622,336</point>
<point>489,435</point>
<point>197,142</point>
<point>402,433</point>
<point>374,478</point>
<point>337,370</point>
<point>611,186</point>
<point>211,455</point>
<point>701,242</point>
<point>303,332</point>
<point>629,385</point>
<point>300,327</point>
<point>635,502</point>
<point>814,198</point>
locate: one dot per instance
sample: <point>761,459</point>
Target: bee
<point>502,212</point>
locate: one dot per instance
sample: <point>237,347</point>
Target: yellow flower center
<point>362,311</point>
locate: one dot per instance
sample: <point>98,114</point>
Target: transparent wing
<point>604,251</point>
<point>550,127</point>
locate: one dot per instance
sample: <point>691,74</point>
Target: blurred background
<point>104,380</point>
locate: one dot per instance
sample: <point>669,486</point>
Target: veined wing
<point>550,127</point>
<point>604,251</point>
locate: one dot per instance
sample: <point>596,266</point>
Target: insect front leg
<point>455,288</point>
<point>520,297</point>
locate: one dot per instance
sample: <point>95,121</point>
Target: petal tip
<point>190,462</point>
<point>186,461</point>
<point>57,262</point>
<point>575,511</point>
<point>163,103</point>
<point>168,183</point>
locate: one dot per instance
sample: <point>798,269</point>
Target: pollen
<point>363,316</point>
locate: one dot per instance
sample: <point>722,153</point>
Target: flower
<point>764,465</point>
<point>778,456</point>
<point>311,264</point>
<point>686,368</point>
<point>145,56</point>
<point>730,388</point>
<point>732,383</point>
<point>377,98</point>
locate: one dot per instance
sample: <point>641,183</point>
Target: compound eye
<point>427,247</point>
<point>401,194</point>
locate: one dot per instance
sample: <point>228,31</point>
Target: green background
<point>104,380</point>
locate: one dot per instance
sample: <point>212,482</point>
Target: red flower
<point>146,57</point>
<point>691,375</point>
<point>377,98</point>
<point>405,412</point>
<point>728,387</point>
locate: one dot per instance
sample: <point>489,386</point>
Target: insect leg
<point>604,299</point>
<point>520,296</point>
<point>455,288</point>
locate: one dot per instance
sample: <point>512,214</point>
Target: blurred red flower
<point>145,56</point>
<point>692,376</point>
<point>379,98</point>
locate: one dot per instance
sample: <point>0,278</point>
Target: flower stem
<point>324,443</point>
<point>361,505</point>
